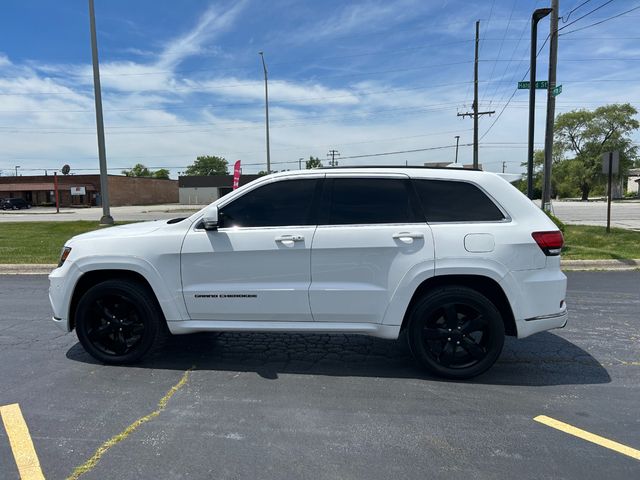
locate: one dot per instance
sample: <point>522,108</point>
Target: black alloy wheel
<point>119,321</point>
<point>456,332</point>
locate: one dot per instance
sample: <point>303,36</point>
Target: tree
<point>139,170</point>
<point>208,165</point>
<point>586,135</point>
<point>313,162</point>
<point>162,173</point>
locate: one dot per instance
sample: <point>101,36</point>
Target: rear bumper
<point>543,323</point>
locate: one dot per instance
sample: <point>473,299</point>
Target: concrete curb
<point>26,269</point>
<point>612,265</point>
<point>600,264</point>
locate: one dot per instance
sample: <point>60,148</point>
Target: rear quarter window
<point>455,201</point>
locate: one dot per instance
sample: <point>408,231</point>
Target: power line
<point>495,63</point>
<point>586,14</point>
<point>157,129</point>
<point>565,20</point>
<point>522,32</point>
<point>208,87</point>
<point>514,92</point>
<point>600,22</point>
<point>407,151</point>
<point>378,154</point>
<point>387,52</point>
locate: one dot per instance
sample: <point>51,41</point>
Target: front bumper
<point>61,284</point>
<point>61,324</point>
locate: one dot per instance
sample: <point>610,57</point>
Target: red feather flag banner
<point>236,174</point>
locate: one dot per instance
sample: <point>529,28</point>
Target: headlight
<point>63,255</point>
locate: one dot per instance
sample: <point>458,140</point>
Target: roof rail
<point>398,167</point>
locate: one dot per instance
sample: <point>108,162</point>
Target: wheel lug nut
<point>121,330</point>
<point>449,329</point>
<point>457,343</point>
<point>449,339</point>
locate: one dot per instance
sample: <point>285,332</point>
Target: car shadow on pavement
<point>541,360</point>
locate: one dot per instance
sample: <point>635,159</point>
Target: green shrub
<point>557,221</point>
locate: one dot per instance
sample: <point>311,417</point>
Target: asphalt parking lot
<point>326,406</point>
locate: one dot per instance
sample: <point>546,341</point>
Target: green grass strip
<point>38,242</point>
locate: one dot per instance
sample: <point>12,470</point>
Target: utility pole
<point>17,167</point>
<point>538,15</point>
<point>333,153</point>
<point>457,143</point>
<point>300,163</point>
<point>504,166</point>
<point>106,219</point>
<point>266,110</point>
<point>475,114</point>
<point>551,106</point>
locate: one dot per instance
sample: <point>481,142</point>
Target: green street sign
<point>540,85</point>
<point>556,91</point>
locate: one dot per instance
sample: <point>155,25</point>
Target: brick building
<point>84,190</point>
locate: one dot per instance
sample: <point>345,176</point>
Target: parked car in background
<point>14,204</point>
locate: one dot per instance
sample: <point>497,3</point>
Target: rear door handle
<point>401,235</point>
<point>290,238</point>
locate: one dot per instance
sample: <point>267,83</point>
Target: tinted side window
<point>370,200</point>
<point>287,202</point>
<point>451,201</point>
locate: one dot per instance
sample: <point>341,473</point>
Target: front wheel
<point>119,321</point>
<point>455,332</point>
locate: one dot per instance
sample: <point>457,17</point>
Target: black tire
<point>455,332</point>
<point>119,321</point>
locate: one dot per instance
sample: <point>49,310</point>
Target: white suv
<point>456,258</point>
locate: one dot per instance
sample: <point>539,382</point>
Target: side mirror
<point>210,219</point>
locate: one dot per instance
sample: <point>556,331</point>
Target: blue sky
<point>182,79</point>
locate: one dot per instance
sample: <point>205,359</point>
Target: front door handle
<point>290,238</point>
<point>402,235</point>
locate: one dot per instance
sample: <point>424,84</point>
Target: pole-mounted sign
<point>610,166</point>
<point>540,85</point>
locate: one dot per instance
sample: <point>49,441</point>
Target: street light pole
<point>106,219</point>
<point>537,15</point>
<point>17,167</point>
<point>266,109</point>
<point>457,142</point>
<point>300,163</point>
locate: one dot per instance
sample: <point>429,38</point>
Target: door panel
<point>372,234</point>
<point>257,265</point>
<point>248,274</point>
<point>356,269</point>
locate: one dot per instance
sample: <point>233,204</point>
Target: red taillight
<point>550,242</point>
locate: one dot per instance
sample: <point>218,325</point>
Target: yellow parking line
<point>589,437</point>
<point>21,444</point>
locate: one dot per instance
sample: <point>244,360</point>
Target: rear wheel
<point>119,321</point>
<point>455,332</point>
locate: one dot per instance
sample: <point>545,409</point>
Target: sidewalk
<point>568,265</point>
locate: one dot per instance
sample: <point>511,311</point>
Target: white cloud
<point>212,23</point>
